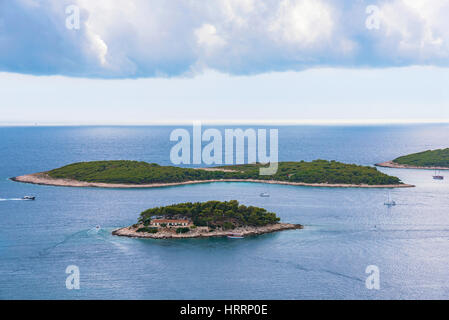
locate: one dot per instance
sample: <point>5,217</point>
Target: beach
<point>391,164</point>
<point>42,178</point>
<point>203,232</point>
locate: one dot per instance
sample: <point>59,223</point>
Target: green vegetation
<point>135,172</point>
<point>320,171</point>
<point>227,214</point>
<point>429,158</point>
<point>228,225</point>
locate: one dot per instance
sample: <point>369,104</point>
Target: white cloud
<point>149,38</point>
<point>303,22</point>
<point>238,11</point>
<point>97,45</point>
<point>416,29</point>
<point>207,37</point>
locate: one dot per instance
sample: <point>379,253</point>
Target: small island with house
<point>204,219</point>
<point>431,159</point>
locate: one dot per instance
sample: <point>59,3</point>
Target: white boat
<point>264,194</point>
<point>235,236</point>
<point>390,202</point>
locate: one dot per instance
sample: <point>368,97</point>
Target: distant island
<point>204,219</point>
<point>137,174</point>
<point>430,159</point>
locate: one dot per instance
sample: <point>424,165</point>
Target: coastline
<point>202,232</point>
<point>42,178</point>
<point>391,164</point>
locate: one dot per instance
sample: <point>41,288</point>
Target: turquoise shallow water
<point>346,229</point>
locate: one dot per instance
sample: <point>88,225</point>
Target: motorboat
<point>235,236</point>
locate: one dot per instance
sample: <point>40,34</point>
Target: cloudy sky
<point>150,61</point>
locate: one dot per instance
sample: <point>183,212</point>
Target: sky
<point>158,61</point>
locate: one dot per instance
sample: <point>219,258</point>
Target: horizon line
<point>231,122</point>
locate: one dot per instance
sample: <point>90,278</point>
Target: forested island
<point>430,159</point>
<point>204,219</point>
<point>128,174</point>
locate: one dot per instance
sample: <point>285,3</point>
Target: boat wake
<point>47,250</point>
<point>95,232</point>
<point>13,199</point>
<point>106,236</point>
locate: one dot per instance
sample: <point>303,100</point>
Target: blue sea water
<point>345,229</point>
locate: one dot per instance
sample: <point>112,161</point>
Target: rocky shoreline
<point>43,178</point>
<point>391,164</point>
<point>203,232</point>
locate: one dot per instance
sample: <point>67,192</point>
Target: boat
<point>29,198</point>
<point>264,194</point>
<point>437,176</point>
<point>390,202</point>
<point>235,236</point>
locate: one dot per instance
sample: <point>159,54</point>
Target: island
<point>431,159</point>
<point>204,219</point>
<point>138,174</point>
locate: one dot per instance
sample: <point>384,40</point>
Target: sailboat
<point>438,176</point>
<point>390,202</point>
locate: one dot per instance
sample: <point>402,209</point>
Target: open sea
<point>346,230</point>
